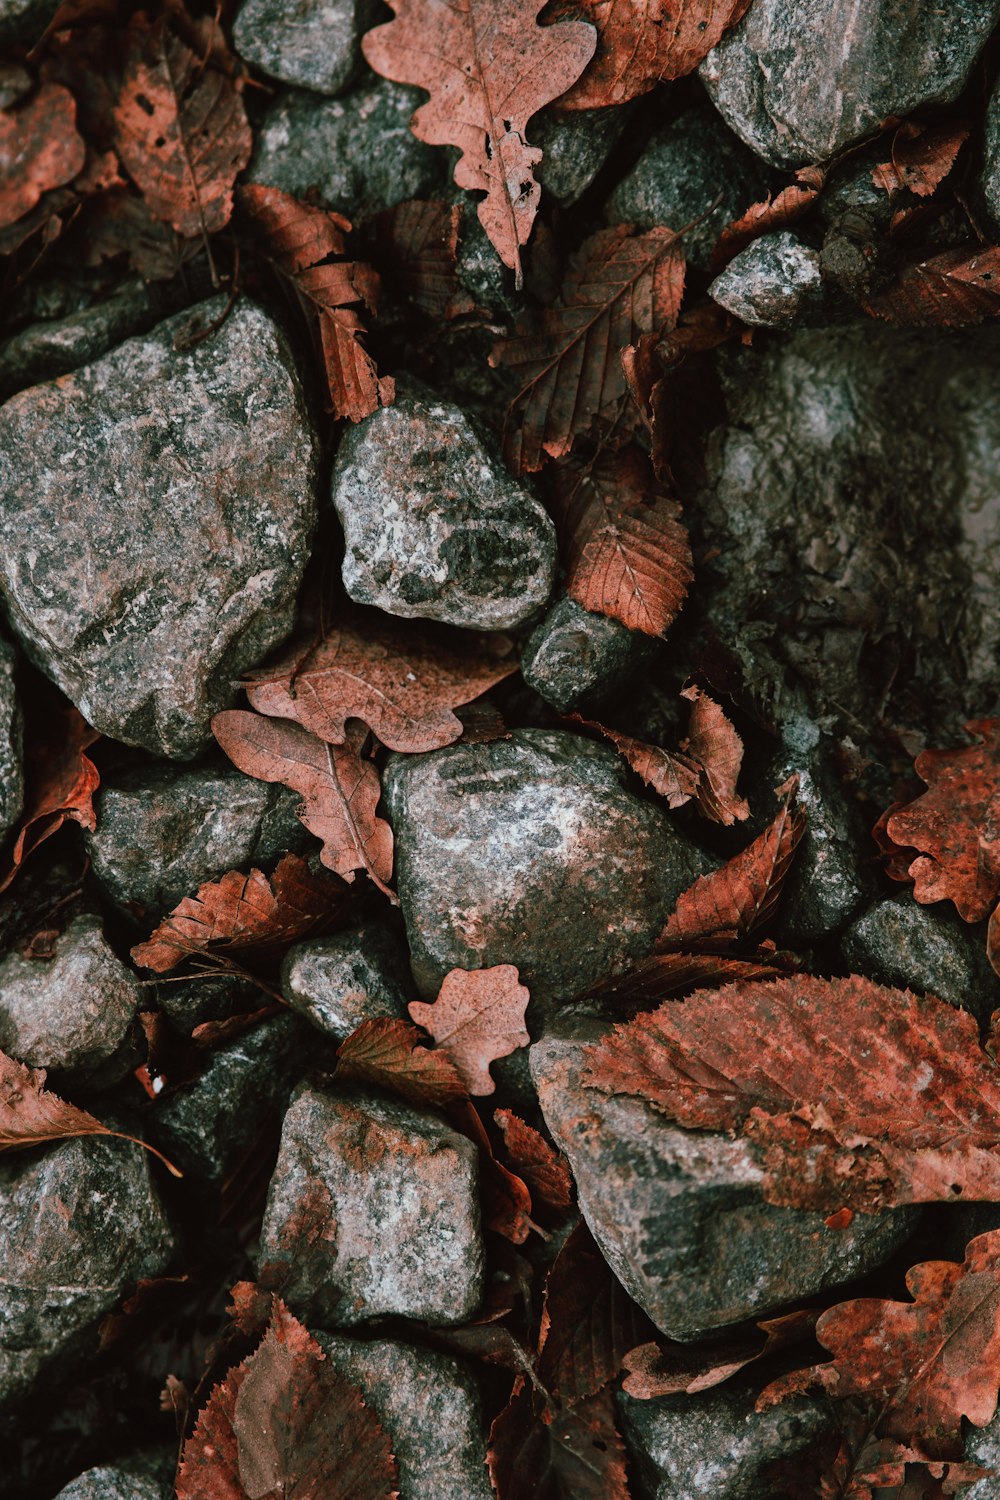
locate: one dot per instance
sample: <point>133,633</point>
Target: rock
<point>990,181</point>
<point>162,831</point>
<point>156,514</point>
<point>679,1215</point>
<point>204,997</point>
<point>435,526</point>
<point>24,20</point>
<point>773,283</point>
<point>923,948</point>
<point>315,44</point>
<point>114,1482</point>
<point>340,981</point>
<point>714,1443</point>
<point>373,1209</point>
<point>800,81</point>
<point>80,1223</point>
<point>73,1014</point>
<point>982,1446</point>
<point>356,154</point>
<point>575,144</point>
<point>692,169</point>
<point>575,657</point>
<point>531,851</point>
<point>11,734</point>
<point>429,1407</point>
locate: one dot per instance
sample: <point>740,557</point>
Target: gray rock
<point>428,1406</point>
<point>80,1223</point>
<point>772,283</point>
<point>991,156</point>
<point>73,1014</point>
<point>923,948</point>
<point>434,524</point>
<point>340,981</point>
<point>687,166</point>
<point>162,831</point>
<point>24,20</point>
<point>11,736</point>
<point>530,851</point>
<point>575,144</point>
<point>204,997</point>
<point>714,1444</point>
<point>799,80</point>
<point>575,657</point>
<point>356,154</point>
<point>156,510</point>
<point>113,1482</point>
<point>373,1210</point>
<point>679,1215</point>
<point>315,44</point>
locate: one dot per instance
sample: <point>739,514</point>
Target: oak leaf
<point>764,218</point>
<point>478,1016</point>
<point>386,1053</point>
<point>922,156</point>
<point>620,286</point>
<point>853,1095</point>
<point>488,67</point>
<point>416,243</point>
<point>662,1368</point>
<point>62,781</point>
<point>953,289</point>
<point>543,1168</point>
<point>40,149</point>
<point>339,787</point>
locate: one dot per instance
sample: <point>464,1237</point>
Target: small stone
<point>679,1215</point>
<point>162,831</point>
<point>357,155</point>
<point>203,997</point>
<point>991,156</point>
<point>531,851</point>
<point>315,44</point>
<point>114,1482</point>
<point>72,1014</point>
<point>923,948</point>
<point>156,514</point>
<point>714,1443</point>
<point>80,1223</point>
<point>374,1211</point>
<point>771,283</point>
<point>575,657</point>
<point>800,81</point>
<point>429,1407</point>
<point>693,169</point>
<point>338,982</point>
<point>435,526</point>
<point>574,144</point>
<point>11,736</point>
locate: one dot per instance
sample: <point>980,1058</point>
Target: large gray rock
<point>576,657</point>
<point>162,831</point>
<point>114,1482</point>
<point>11,735</point>
<point>80,1223</point>
<point>679,1215</point>
<point>530,851</point>
<point>982,1446</point>
<point>429,1408</point>
<point>338,982</point>
<point>928,949</point>
<point>434,524</point>
<point>773,283</point>
<point>799,80</point>
<point>156,510</point>
<point>315,44</point>
<point>373,1210</point>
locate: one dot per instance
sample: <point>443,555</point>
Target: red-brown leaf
<point>922,157</point>
<point>675,777</point>
<point>664,975</point>
<point>506,1198</point>
<point>662,1368</point>
<point>339,787</point>
<point>62,781</point>
<point>955,288</point>
<point>417,245</point>
<point>854,1095</point>
<point>543,1168</point>
<point>577,1455</point>
<point>716,747</point>
<point>477,1017</point>
<point>387,1054</point>
<point>488,67</point>
<point>763,218</point>
<point>40,149</point>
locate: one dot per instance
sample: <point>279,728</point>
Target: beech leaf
<point>663,975</point>
<point>62,781</point>
<point>772,214</point>
<point>674,777</point>
<point>477,1017</point>
<point>417,244</point>
<point>668,1369</point>
<point>40,149</point>
<point>955,288</point>
<point>714,744</point>
<point>921,158</point>
<point>543,1168</point>
<point>576,1453</point>
<point>386,1053</point>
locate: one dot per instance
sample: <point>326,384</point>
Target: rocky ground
<point>177,503</point>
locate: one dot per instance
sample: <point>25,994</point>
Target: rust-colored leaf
<point>543,1168</point>
<point>488,67</point>
<point>772,214</point>
<point>387,1054</point>
<point>661,976</point>
<point>674,777</point>
<point>404,679</point>
<point>662,1368</point>
<point>416,243</point>
<point>339,787</point>
<point>62,781</point>
<point>955,288</point>
<point>577,1454</point>
<point>478,1016</point>
<point>853,1094</point>
<point>180,130</point>
<point>621,285</point>
<point>506,1196</point>
<point>922,157</point>
<point>40,149</point>
<point>716,747</point>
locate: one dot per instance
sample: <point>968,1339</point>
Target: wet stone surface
<point>923,948</point>
<point>11,749</point>
<point>116,1482</point>
<point>341,981</point>
<point>576,658</point>
<point>772,283</point>
<point>315,44</point>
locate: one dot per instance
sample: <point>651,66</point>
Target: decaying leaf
<point>922,157</point>
<point>955,288</point>
<point>714,744</point>
<point>577,1454</point>
<point>506,1197</point>
<point>663,1368</point>
<point>40,149</point>
<point>660,976</point>
<point>853,1094</point>
<point>416,243</point>
<point>488,67</point>
<point>478,1016</point>
<point>387,1054</point>
<point>543,1168</point>
<point>774,213</point>
<point>62,781</point>
<point>674,777</point>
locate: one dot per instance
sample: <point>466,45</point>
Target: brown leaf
<point>478,1016</point>
<point>953,289</point>
<point>245,915</point>
<point>40,149</point>
<point>285,1423</point>
<point>387,1054</point>
<point>416,245</point>
<point>543,1168</point>
<point>577,1455</point>
<point>774,213</point>
<point>404,679</point>
<point>506,1199</point>
<point>180,130</point>
<point>922,157</point>
<point>675,777</point>
<point>340,789</point>
<point>667,1369</point>
<point>854,1095</point>
<point>488,67</point>
<point>714,744</point>
<point>62,780</point>
<point>621,285</point>
<point>663,975</point>
<point>119,223</point>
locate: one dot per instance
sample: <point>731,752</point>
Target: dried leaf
<point>40,149</point>
<point>774,213</point>
<point>402,678</point>
<point>478,1016</point>
<point>416,244</point>
<point>543,1168</point>
<point>854,1095</point>
<point>621,285</point>
<point>340,789</point>
<point>386,1054</point>
<point>576,1455</point>
<point>667,1369</point>
<point>950,290</point>
<point>714,744</point>
<point>675,777</point>
<point>505,1195</point>
<point>62,781</point>
<point>664,975</point>
<point>922,157</point>
<point>119,223</point>
<point>488,67</point>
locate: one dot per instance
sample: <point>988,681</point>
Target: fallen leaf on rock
<point>922,157</point>
<point>488,67</point>
<point>339,787</point>
<point>714,744</point>
<point>543,1168</point>
<point>950,290</point>
<point>774,213</point>
<point>416,245</point>
<point>478,1016</point>
<point>669,1369</point>
<point>661,976</point>
<point>674,777</point>
<point>285,1423</point>
<point>40,149</point>
<point>852,1094</point>
<point>387,1053</point>
<point>62,781</point>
